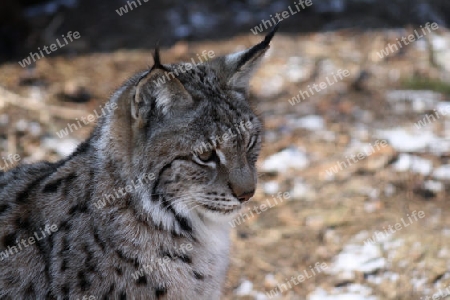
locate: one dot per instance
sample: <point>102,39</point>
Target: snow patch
<point>403,140</point>
<point>351,292</point>
<point>414,164</point>
<point>442,173</point>
<point>290,158</point>
<point>312,122</point>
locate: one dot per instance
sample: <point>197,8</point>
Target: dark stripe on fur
<point>184,258</point>
<point>52,187</point>
<point>9,240</point>
<point>198,276</point>
<point>3,208</point>
<point>50,296</point>
<point>23,223</point>
<point>23,196</point>
<point>83,282</point>
<point>142,281</point>
<point>165,167</point>
<point>160,292</point>
<point>183,222</point>
<point>29,291</point>
<point>66,291</point>
<point>123,296</point>
<point>129,260</point>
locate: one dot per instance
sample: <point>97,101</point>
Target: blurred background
<point>357,118</point>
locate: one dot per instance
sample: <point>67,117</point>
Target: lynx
<point>160,231</point>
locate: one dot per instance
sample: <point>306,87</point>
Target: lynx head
<point>196,132</point>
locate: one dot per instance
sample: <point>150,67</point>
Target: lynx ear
<point>235,70</point>
<point>156,90</point>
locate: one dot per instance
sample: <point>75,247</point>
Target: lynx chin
<point>97,252</point>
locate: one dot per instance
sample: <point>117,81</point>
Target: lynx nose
<point>242,183</point>
<point>245,196</point>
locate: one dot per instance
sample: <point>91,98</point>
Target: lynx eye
<point>206,155</point>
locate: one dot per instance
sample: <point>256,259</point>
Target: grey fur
<point>97,250</point>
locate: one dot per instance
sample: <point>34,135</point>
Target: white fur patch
<point>158,215</point>
<point>200,162</point>
<point>221,156</point>
<point>163,100</point>
<point>232,59</point>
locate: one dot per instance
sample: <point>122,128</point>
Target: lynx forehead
<point>197,136</point>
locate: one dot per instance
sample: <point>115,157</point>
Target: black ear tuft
<point>157,60</point>
<point>235,70</point>
<point>156,65</point>
<point>259,47</point>
<point>270,35</point>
